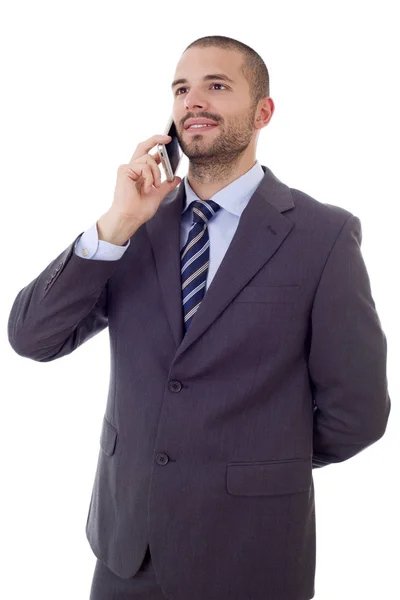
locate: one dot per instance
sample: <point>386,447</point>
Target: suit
<point>209,439</point>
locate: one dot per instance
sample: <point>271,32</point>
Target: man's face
<point>228,103</point>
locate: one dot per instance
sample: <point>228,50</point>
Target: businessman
<point>246,351</point>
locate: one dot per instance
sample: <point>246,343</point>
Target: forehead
<point>197,62</point>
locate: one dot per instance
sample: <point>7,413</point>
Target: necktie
<point>195,258</point>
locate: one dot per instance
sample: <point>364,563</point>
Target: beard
<point>215,159</point>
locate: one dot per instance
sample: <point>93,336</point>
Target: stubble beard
<point>216,160</point>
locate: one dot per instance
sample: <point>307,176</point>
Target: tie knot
<point>204,210</point>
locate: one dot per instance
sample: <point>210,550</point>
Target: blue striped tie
<point>195,258</point>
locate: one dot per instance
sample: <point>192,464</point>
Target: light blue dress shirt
<point>233,199</point>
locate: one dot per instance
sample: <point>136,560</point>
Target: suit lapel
<point>261,230</point>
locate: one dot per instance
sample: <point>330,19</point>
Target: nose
<point>193,101</point>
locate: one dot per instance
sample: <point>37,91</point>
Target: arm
<point>66,304</point>
<point>60,309</point>
<point>347,360</point>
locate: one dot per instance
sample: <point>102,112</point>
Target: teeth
<point>205,125</point>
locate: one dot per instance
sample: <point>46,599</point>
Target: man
<point>245,351</point>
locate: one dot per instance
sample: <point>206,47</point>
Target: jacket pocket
<point>269,293</point>
<point>270,478</point>
<point>108,438</point>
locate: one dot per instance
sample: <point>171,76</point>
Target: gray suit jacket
<point>209,439</point>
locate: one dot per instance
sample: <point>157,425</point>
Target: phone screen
<point>173,149</point>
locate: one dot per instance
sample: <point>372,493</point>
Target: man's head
<point>239,105</point>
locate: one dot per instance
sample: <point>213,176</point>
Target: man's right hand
<point>138,194</point>
<point>139,191</point>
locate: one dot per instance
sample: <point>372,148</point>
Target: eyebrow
<point>213,76</point>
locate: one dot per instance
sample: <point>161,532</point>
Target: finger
<point>147,145</point>
<point>134,170</point>
<point>156,157</point>
<point>168,186</point>
<point>132,174</point>
<point>152,162</point>
<point>147,175</point>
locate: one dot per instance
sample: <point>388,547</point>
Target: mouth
<point>201,129</point>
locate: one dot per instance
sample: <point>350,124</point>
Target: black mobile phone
<point>170,153</point>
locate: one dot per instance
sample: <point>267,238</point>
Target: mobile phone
<point>170,153</point>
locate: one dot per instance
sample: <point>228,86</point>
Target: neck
<point>208,179</point>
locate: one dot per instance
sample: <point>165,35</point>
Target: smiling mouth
<point>201,129</point>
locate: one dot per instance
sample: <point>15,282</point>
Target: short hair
<point>253,67</point>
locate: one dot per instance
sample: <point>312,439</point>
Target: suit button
<point>175,386</point>
<point>162,458</point>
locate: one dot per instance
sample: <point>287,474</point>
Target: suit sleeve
<point>348,353</point>
<point>62,308</point>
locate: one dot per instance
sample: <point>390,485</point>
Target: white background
<point>82,84</point>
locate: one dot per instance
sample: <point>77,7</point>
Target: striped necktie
<point>195,258</point>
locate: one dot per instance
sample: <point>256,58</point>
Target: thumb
<point>168,186</point>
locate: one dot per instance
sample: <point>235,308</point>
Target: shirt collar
<point>235,196</point>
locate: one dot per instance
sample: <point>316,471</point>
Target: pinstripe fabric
<point>195,257</point>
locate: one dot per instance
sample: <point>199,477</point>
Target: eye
<point>182,88</point>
